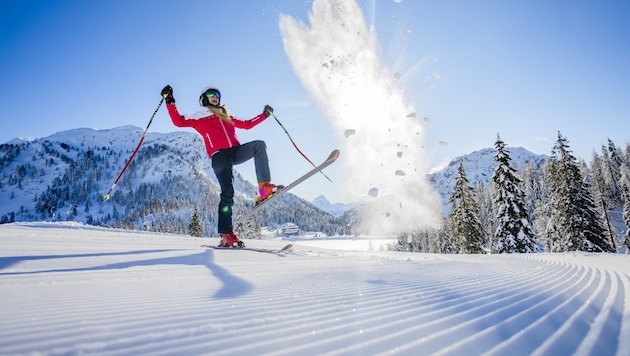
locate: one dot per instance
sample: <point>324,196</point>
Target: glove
<point>167,93</point>
<point>268,110</point>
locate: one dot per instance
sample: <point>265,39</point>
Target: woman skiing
<point>217,128</point>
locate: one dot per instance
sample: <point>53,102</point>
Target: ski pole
<point>294,145</point>
<point>106,197</point>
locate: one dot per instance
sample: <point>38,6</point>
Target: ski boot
<point>265,190</point>
<point>230,240</point>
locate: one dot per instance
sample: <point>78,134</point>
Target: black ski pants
<point>222,163</point>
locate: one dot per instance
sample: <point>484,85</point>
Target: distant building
<point>289,229</point>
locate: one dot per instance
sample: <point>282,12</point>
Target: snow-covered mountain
<point>479,167</point>
<point>64,176</point>
<point>335,209</point>
<point>19,140</point>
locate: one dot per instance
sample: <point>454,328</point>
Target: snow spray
<point>337,60</point>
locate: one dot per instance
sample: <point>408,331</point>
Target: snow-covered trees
<point>576,223</point>
<point>625,189</point>
<point>606,169</point>
<point>558,199</point>
<point>162,185</point>
<point>514,230</point>
<point>463,220</point>
<point>194,228</point>
<point>567,203</point>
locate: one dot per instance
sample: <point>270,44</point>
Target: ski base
<point>285,249</point>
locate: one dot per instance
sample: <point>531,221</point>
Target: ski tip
<point>333,155</point>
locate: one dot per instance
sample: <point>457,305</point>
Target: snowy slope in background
<point>74,289</point>
<point>189,153</point>
<point>19,140</point>
<point>334,209</point>
<point>479,167</point>
<point>65,175</point>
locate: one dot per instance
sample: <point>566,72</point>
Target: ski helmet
<point>203,98</point>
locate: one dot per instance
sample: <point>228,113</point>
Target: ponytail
<point>222,112</point>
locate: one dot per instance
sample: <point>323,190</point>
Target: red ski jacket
<point>217,134</point>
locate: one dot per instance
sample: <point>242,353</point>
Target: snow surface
<point>69,288</point>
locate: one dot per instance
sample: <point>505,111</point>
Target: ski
<point>285,249</point>
<point>331,158</point>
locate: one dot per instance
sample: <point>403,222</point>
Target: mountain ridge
<point>178,159</point>
<point>65,175</point>
<point>479,166</point>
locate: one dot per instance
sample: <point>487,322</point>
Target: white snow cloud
<point>337,59</point>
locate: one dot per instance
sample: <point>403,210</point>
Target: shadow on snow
<point>233,286</point>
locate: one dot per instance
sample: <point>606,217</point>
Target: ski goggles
<point>213,92</point>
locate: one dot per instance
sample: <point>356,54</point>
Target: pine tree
<point>609,174</point>
<point>194,228</point>
<point>599,194</point>
<point>626,215</point>
<point>249,230</point>
<point>484,198</point>
<point>464,222</point>
<point>443,241</point>
<point>614,166</point>
<point>534,186</point>
<point>514,231</point>
<point>625,194</point>
<point>545,222</point>
<point>575,216</point>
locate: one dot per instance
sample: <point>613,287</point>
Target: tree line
<point>163,190</point>
<point>564,205</point>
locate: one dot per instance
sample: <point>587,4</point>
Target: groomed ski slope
<point>76,289</point>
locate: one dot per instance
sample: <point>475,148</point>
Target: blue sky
<point>523,69</point>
